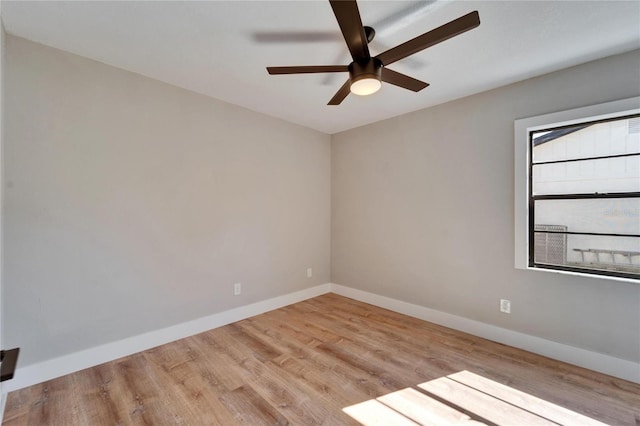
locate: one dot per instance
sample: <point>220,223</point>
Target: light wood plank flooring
<point>329,360</point>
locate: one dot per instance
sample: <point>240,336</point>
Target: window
<point>578,191</point>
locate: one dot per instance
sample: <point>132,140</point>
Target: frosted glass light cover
<point>365,86</point>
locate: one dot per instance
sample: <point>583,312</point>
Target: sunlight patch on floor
<point>463,398</point>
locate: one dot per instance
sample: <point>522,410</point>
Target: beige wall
<point>132,205</point>
<point>422,211</point>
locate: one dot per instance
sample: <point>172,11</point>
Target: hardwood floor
<point>329,360</point>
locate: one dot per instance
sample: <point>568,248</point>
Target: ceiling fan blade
<point>348,17</point>
<point>428,39</point>
<point>402,80</point>
<point>341,93</point>
<point>307,69</point>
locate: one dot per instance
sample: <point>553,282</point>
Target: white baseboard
<point>602,363</point>
<point>47,370</point>
<point>50,369</point>
<point>3,403</point>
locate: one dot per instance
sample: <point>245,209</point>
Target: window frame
<point>522,200</point>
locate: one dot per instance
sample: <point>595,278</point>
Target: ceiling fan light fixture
<point>365,77</point>
<point>365,86</point>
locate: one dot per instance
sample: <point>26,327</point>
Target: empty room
<point>328,212</point>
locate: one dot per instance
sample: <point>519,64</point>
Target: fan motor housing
<point>365,69</point>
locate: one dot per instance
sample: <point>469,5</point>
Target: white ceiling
<point>221,48</point>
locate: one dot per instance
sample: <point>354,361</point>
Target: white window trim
<point>522,128</point>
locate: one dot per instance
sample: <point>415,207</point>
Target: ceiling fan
<point>366,73</point>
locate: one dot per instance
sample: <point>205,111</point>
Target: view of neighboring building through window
<point>584,198</point>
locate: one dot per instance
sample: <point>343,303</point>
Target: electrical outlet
<point>309,272</point>
<point>505,306</point>
<point>237,289</point>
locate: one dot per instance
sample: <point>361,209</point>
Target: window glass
<point>615,174</point>
<point>585,252</point>
<point>602,215</point>
<point>613,137</point>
